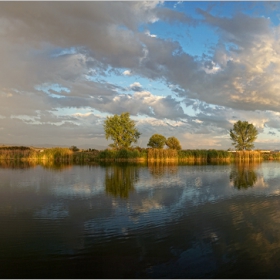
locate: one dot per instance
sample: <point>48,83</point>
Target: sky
<point>188,69</point>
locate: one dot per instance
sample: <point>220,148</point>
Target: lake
<point>140,221</point>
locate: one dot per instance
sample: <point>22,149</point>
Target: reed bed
<point>122,155</point>
<point>168,155</point>
<point>66,155</point>
<point>248,156</point>
<point>16,153</point>
<point>204,156</point>
<point>56,154</point>
<point>192,155</point>
<point>27,154</point>
<point>271,156</point>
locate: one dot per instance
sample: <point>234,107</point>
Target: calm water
<point>138,221</point>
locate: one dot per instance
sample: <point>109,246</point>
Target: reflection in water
<point>120,179</point>
<point>243,175</point>
<point>57,166</point>
<point>17,164</point>
<point>47,164</point>
<point>190,225</point>
<point>158,169</point>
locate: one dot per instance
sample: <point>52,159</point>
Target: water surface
<point>140,221</point>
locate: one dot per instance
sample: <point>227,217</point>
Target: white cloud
<point>78,45</point>
<point>127,73</point>
<point>149,34</point>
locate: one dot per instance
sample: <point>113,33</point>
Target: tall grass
<point>248,156</point>
<point>122,155</point>
<point>65,155</point>
<point>204,156</point>
<point>193,155</point>
<point>52,154</point>
<point>56,154</point>
<point>162,155</point>
<point>16,153</point>
<point>271,156</point>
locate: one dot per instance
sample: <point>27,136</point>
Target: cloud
<point>203,143</point>
<point>150,35</point>
<point>136,86</point>
<point>127,73</point>
<point>59,56</point>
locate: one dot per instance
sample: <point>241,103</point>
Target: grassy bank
<point>169,155</point>
<point>122,155</point>
<point>60,155</point>
<point>204,156</point>
<point>66,155</point>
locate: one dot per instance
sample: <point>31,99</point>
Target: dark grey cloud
<point>77,45</point>
<point>173,16</point>
<point>241,29</point>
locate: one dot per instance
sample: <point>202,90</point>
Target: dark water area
<point>140,221</point>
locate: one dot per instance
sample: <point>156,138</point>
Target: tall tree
<point>173,143</point>
<point>157,141</point>
<point>243,135</point>
<point>121,129</point>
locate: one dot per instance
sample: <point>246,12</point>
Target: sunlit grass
<point>65,155</point>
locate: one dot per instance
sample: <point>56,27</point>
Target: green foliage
<point>243,135</point>
<point>120,154</point>
<point>56,154</point>
<point>193,155</point>
<point>204,155</point>
<point>74,148</point>
<point>173,143</point>
<point>157,141</point>
<point>271,156</point>
<point>121,129</point>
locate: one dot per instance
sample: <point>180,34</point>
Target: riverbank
<point>66,155</point>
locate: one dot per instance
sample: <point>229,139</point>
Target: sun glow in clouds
<point>185,69</point>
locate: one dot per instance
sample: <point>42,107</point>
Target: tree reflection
<point>14,164</point>
<point>120,179</point>
<point>243,175</point>
<point>158,169</point>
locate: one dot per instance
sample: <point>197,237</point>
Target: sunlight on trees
<point>173,143</point>
<point>243,135</point>
<point>121,129</point>
<point>157,141</point>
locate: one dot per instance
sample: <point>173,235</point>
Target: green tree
<point>157,141</point>
<point>173,143</point>
<point>121,129</point>
<point>243,135</point>
<point>74,148</point>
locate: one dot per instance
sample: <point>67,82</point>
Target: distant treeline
<point>22,148</point>
<point>138,154</point>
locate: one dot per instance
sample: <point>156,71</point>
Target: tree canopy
<point>243,135</point>
<point>157,141</point>
<point>173,143</point>
<point>121,129</point>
